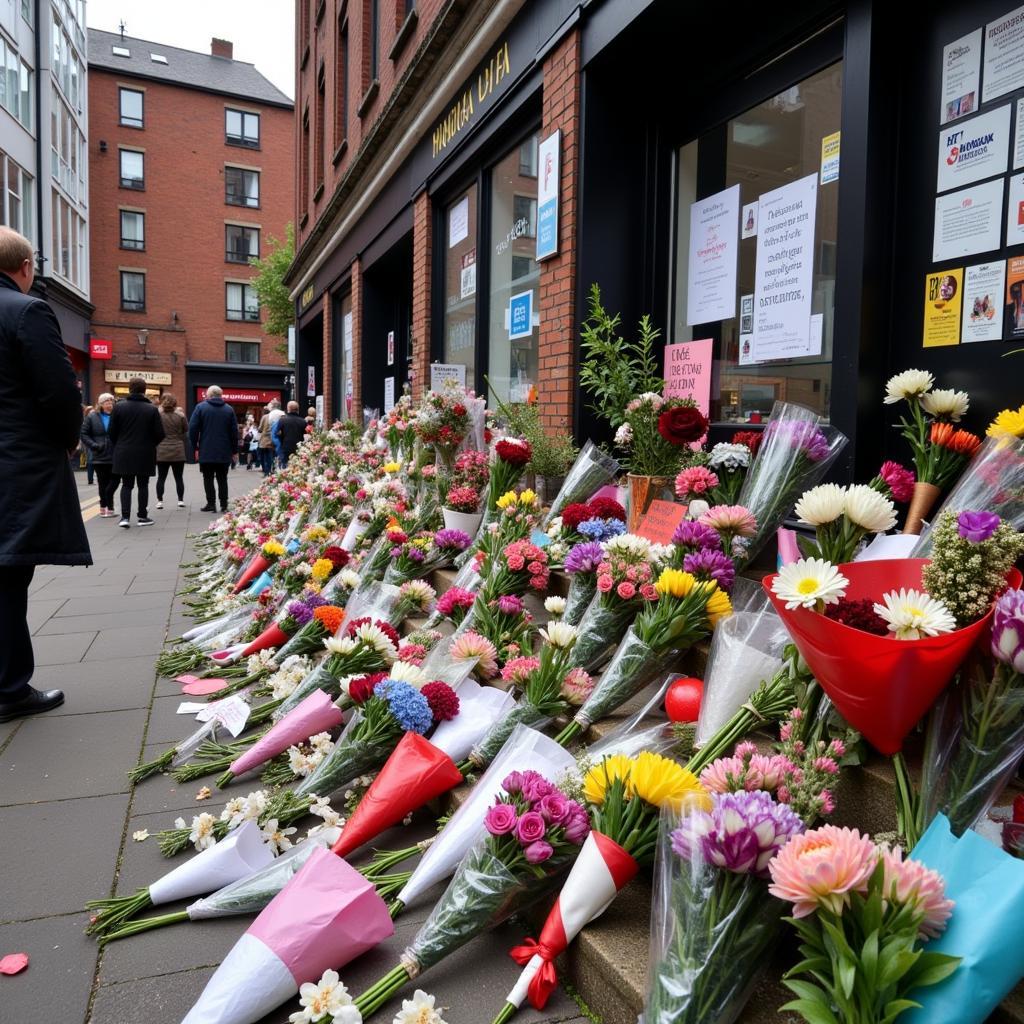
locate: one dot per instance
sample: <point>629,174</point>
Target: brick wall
<point>422,247</point>
<point>561,110</point>
<point>357,341</point>
<point>185,215</point>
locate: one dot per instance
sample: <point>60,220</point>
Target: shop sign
<point>520,315</point>
<point>125,376</point>
<point>307,295</point>
<point>442,373</point>
<point>472,97</point>
<point>547,196</point>
<point>99,349</point>
<point>243,396</point>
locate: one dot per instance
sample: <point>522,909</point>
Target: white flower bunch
<point>259,661</point>
<point>726,455</point>
<point>277,838</point>
<point>554,605</point>
<point>862,505</point>
<point>660,555</point>
<point>629,544</point>
<point>340,644</point>
<point>560,634</point>
<point>244,808</point>
<point>350,578</point>
<point>201,835</point>
<point>418,1010</point>
<point>320,807</point>
<point>371,635</point>
<point>303,569</point>
<point>404,672</point>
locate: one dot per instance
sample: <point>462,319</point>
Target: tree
<point>270,289</point>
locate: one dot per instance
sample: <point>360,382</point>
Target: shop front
<point>246,391</point>
<point>157,382</point>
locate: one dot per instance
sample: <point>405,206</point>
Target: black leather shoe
<point>35,703</point>
<point>207,508</point>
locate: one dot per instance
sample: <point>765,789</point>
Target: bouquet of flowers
<point>463,499</point>
<point>730,461</point>
<point>454,603</point>
<point>518,862</point>
<point>581,566</point>
<point>507,624</point>
<point>420,556</point>
<point>269,553</point>
<point>592,469</point>
<point>416,597</point>
<point>698,481</point>
<point>842,517</point>
<point>711,546</point>
<point>602,509</point>
<point>519,566</point>
<point>473,470</point>
<point>511,455</point>
<point>896,482</point>
<point>795,452</point>
<point>657,431</point>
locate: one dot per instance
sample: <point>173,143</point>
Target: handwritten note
<point>688,372</point>
<point>660,521</point>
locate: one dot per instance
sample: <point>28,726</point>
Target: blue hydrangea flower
<point>408,706</point>
<point>601,529</point>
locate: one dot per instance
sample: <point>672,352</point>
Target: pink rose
<point>500,819</point>
<point>605,584</point>
<point>536,787</point>
<point>648,593</point>
<point>537,853</point>
<point>555,808</point>
<point>626,590</point>
<point>604,567</point>
<point>631,573</point>
<point>516,562</point>
<point>530,828</point>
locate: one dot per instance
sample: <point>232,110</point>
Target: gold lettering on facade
<point>462,110</point>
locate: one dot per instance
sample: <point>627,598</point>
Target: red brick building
<point>191,175</point>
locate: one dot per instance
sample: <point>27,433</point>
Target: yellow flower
<point>719,606</point>
<point>316,532</point>
<point>508,498</point>
<point>663,783</point>
<point>675,582</point>
<point>391,467</point>
<point>601,776</point>
<point>322,568</point>
<point>527,497</point>
<point>1009,423</point>
<point>273,549</point>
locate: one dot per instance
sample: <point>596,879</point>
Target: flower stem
<point>159,764</point>
<point>382,991</point>
<point>395,907</point>
<point>569,733</point>
<point>112,912</point>
<point>508,1011</point>
<point>144,925</point>
<point>907,802</point>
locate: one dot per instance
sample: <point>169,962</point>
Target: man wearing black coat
<point>40,517</point>
<point>213,432</point>
<point>135,431</point>
<point>291,429</point>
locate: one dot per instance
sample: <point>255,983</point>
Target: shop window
<point>346,355</point>
<point>241,128</point>
<point>771,146</point>
<point>133,291</point>
<point>304,165</point>
<point>460,282</point>
<point>133,230</point>
<point>131,108</point>
<point>241,187</point>
<point>341,71</point>
<point>241,303</point>
<point>242,351</point>
<point>132,169</point>
<point>241,243</point>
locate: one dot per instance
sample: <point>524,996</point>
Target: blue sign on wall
<point>547,229</point>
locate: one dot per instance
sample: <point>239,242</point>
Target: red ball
<point>682,702</point>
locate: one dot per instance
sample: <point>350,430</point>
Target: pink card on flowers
<point>202,687</point>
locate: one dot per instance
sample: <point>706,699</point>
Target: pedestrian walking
<point>251,443</point>
<point>135,431</point>
<point>213,433</point>
<point>95,436</point>
<point>266,442</point>
<point>40,422</point>
<point>291,430</point>
<point>90,471</point>
<point>276,412</point>
<point>170,452</point>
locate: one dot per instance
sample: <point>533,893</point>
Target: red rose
<point>515,453</point>
<point>682,425</point>
<point>751,438</point>
<point>573,515</point>
<point>607,508</point>
<point>459,409</point>
<point>338,557</point>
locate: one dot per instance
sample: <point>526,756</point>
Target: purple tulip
<point>711,565</point>
<point>555,808</point>
<point>537,853</point>
<point>977,526</point>
<point>500,819</point>
<point>696,536</point>
<point>578,827</point>
<point>531,828</point>
<point>513,782</point>
<point>509,604</point>
<point>1008,630</point>
<point>585,557</point>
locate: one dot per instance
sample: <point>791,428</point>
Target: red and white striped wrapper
<point>601,870</point>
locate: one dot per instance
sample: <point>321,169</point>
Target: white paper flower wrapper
<point>355,530</point>
<point>888,545</point>
<point>525,748</point>
<point>232,620</point>
<point>479,708</point>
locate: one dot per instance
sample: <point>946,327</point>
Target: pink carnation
<point>695,480</point>
<point>910,882</point>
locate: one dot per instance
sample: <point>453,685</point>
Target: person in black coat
<point>97,441</point>
<point>40,418</point>
<point>291,429</point>
<point>135,431</point>
<point>213,433</point>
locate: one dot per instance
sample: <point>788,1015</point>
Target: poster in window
<point>547,196</point>
<point>1013,321</point>
<point>961,64</point>
<point>1018,139</point>
<point>748,222</point>
<point>830,158</point>
<point>458,222</point>
<point>467,278</point>
<point>1015,211</point>
<point>943,292</point>
<point>983,284</point>
<point>973,149</point>
<point>968,221</point>
<point>784,275</point>
<point>714,247</point>
<point>1004,55</point>
<point>746,314</point>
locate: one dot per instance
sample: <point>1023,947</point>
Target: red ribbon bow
<point>545,981</point>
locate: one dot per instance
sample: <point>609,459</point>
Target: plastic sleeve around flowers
<point>524,713</point>
<point>600,631</point>
<point>319,678</point>
<point>231,622</point>
<point>349,759</point>
<point>711,930</point>
<point>582,588</point>
<point>645,730</point>
<point>373,600</point>
<point>592,469</point>
<point>187,747</point>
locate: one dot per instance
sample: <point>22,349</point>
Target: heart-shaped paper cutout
<point>13,963</point>
<point>201,687</point>
<point>186,679</point>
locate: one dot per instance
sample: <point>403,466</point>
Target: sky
<point>263,31</point>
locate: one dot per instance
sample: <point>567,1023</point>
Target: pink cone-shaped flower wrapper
<point>317,713</point>
<point>326,916</point>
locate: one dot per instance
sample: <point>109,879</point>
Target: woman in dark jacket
<point>95,437</point>
<point>135,431</point>
<point>170,452</point>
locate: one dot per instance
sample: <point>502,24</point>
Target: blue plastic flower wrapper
<point>987,888</point>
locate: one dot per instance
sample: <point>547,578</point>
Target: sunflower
<point>663,783</point>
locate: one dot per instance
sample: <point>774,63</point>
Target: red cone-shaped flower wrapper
<point>317,713</point>
<point>415,773</point>
<point>881,686</point>
<point>272,636</point>
<point>258,565</point>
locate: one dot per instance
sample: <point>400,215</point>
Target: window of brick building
<point>133,291</point>
<point>460,282</point>
<point>321,145</point>
<point>304,165</point>
<point>241,187</point>
<point>131,108</point>
<point>241,302</point>
<point>132,169</point>
<point>133,230</point>
<point>371,41</point>
<point>341,86</point>
<point>241,243</point>
<point>241,128</point>
<point>242,351</point>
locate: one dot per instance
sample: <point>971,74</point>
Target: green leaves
<point>270,288</point>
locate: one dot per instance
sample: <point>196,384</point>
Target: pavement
<point>68,810</point>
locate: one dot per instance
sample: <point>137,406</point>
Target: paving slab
<point>63,650</point>
<point>149,585</point>
<point>99,686</point>
<point>73,606</point>
<point>87,589</point>
<point>40,611</point>
<point>59,758</point>
<point>106,620</point>
<point>163,1000</point>
<point>127,642</point>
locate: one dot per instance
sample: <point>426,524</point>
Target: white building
<point>44,117</point>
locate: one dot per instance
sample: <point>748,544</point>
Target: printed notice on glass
<point>1013,323</point>
<point>830,158</point>
<point>389,394</point>
<point>714,246</point>
<point>458,222</point>
<point>1004,55</point>
<point>961,62</point>
<point>943,292</point>
<point>968,221</point>
<point>974,149</point>
<point>785,270</point>
<point>1015,211</point>
<point>982,305</point>
<point>442,373</point>
<point>1018,139</point>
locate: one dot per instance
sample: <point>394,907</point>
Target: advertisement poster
<point>974,149</point>
<point>711,288</point>
<point>1018,139</point>
<point>961,61</point>
<point>830,158</point>
<point>688,372</point>
<point>968,221</point>
<point>310,381</point>
<point>520,315</point>
<point>458,222</point>
<point>746,357</point>
<point>1004,55</point>
<point>1015,211</point>
<point>1013,324</point>
<point>748,222</point>
<point>547,196</point>
<point>467,281</point>
<point>983,288</point>
<point>784,277</point>
<point>943,292</point>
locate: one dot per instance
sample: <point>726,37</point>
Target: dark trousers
<point>16,660</point>
<point>107,482</point>
<point>178,469</point>
<point>127,483</point>
<point>218,471</point>
<point>266,460</point>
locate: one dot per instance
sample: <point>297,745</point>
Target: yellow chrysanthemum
<point>675,582</point>
<point>316,532</point>
<point>391,467</point>
<point>663,783</point>
<point>601,776</point>
<point>719,606</point>
<point>1009,423</point>
<point>322,568</point>
<point>508,498</point>
<point>273,549</point>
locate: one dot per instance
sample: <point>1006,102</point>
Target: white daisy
<point>234,812</point>
<point>809,583</point>
<point>554,605</point>
<point>913,614</point>
<point>907,385</point>
<point>419,1010</point>
<point>820,505</point>
<point>277,837</point>
<point>560,634</point>
<point>406,673</point>
<point>371,635</point>
<point>340,644</point>
<point>946,404</point>
<point>867,508</point>
<point>202,836</point>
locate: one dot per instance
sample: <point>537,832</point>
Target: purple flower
<point>452,539</point>
<point>537,853</point>
<point>509,604</point>
<point>977,526</point>
<point>711,565</point>
<point>416,554</point>
<point>500,819</point>
<point>696,536</point>
<point>741,832</point>
<point>535,786</point>
<point>799,434</point>
<point>1008,630</point>
<point>298,612</point>
<point>312,599</point>
<point>513,782</point>
<point>578,827</point>
<point>555,808</point>
<point>530,828</point>
<point>585,557</point>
